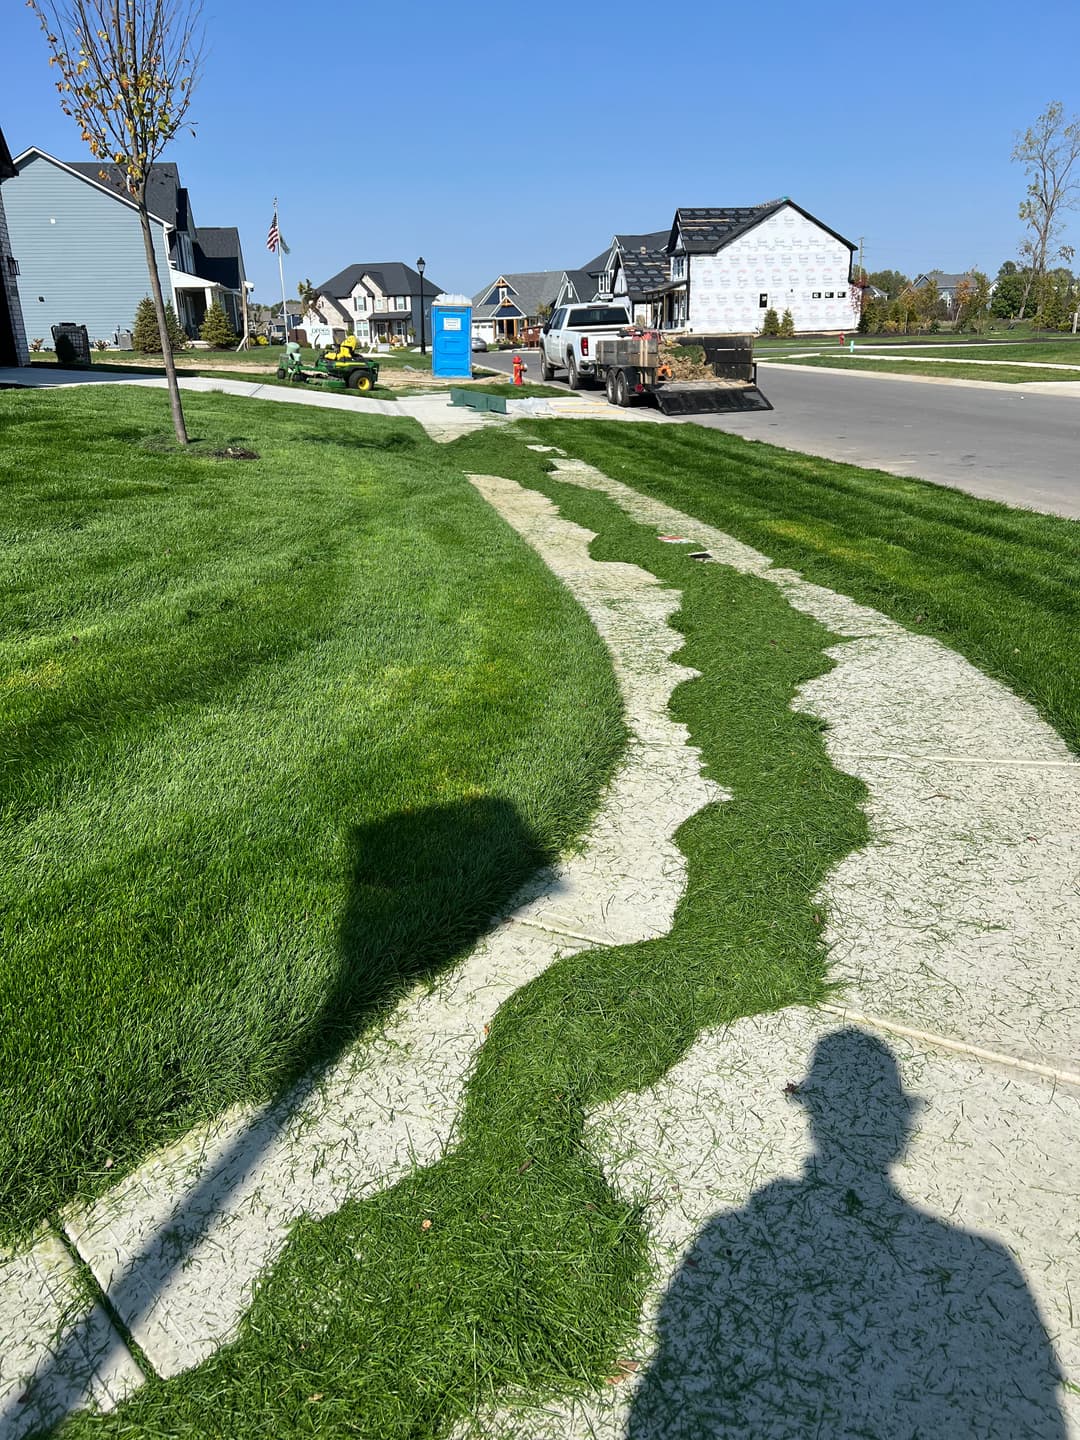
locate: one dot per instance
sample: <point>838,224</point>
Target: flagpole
<point>281,276</point>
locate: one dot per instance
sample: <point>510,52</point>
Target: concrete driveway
<point>1016,444</point>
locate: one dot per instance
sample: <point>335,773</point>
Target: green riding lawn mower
<point>338,369</point>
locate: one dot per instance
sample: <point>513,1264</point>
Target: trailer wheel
<point>547,372</point>
<point>622,390</point>
<point>609,387</point>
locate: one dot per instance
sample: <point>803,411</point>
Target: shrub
<point>771,324</point>
<point>787,325</point>
<point>216,330</point>
<point>101,344</point>
<point>145,337</point>
<point>38,344</point>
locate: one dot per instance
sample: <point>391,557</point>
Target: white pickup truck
<point>568,340</point>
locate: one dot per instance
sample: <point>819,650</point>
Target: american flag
<point>273,238</point>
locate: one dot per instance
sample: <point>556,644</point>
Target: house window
<point>829,295</point>
<point>360,304</point>
<point>502,293</point>
<point>841,294</point>
<point>816,295</point>
<point>763,301</point>
<point>678,267</point>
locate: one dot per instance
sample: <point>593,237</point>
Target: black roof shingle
<point>393,277</point>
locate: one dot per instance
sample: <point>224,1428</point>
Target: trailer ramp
<point>706,397</point>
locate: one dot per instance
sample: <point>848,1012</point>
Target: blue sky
<point>518,137</point>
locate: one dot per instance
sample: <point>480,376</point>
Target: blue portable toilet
<point>451,337</point>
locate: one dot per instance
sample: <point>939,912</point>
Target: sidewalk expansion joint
<point>958,1047</point>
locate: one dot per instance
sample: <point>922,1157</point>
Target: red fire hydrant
<point>520,369</point>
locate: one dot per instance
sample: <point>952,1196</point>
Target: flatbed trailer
<point>631,368</point>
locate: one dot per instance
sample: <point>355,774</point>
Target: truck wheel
<point>547,372</point>
<point>622,390</point>
<point>572,375</point>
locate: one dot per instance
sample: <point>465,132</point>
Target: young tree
<point>127,72</point>
<point>309,298</point>
<point>146,334</point>
<point>771,323</point>
<point>971,300</point>
<point>787,325</point>
<point>1049,151</point>
<point>215,328</point>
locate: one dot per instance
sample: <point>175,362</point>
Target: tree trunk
<point>163,329</point>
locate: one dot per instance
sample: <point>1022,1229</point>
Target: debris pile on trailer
<point>710,373</point>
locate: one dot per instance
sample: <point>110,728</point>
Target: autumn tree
<point>971,300</point>
<point>1049,151</point>
<point>127,71</point>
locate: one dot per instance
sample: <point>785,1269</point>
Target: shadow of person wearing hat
<point>829,1306</point>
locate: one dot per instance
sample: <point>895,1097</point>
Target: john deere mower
<point>335,369</point>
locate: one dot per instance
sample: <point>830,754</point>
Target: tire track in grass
<point>510,1265</point>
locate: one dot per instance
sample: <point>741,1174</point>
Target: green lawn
<point>1055,352</point>
<point>530,1274</point>
<point>886,365</point>
<point>279,736</point>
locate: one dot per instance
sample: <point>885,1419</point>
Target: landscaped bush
<point>145,336</point>
<point>216,330</point>
<point>787,325</point>
<point>771,324</point>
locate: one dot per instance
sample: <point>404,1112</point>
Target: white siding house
<point>727,267</point>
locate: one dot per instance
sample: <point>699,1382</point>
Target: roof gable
<point>393,277</point>
<point>7,165</point>
<point>34,152</point>
<point>706,229</point>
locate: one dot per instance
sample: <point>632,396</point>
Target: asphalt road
<point>1015,445</point>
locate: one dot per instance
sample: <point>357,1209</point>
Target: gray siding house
<point>81,252</point>
<point>12,336</point>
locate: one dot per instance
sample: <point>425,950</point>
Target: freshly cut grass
<point>1056,352</point>
<point>510,1266</point>
<point>940,370</point>
<point>998,584</point>
<point>279,736</point>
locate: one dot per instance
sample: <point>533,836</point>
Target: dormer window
<point>503,292</point>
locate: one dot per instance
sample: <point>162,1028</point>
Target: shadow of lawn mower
<point>338,369</point>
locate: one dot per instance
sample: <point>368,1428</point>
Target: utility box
<point>71,343</point>
<point>451,337</point>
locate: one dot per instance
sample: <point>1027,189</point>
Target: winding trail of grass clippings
<point>529,1275</point>
<point>279,737</point>
<point>998,584</point>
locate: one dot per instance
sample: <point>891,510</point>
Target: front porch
<point>193,296</point>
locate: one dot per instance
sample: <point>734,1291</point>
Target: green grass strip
<point>530,1274</point>
<point>999,584</point>
<point>1003,374</point>
<point>279,736</point>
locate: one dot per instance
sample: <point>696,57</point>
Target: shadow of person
<point>829,1306</point>
<point>422,887</point>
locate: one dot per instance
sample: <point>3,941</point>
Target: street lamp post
<point>423,336</point>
